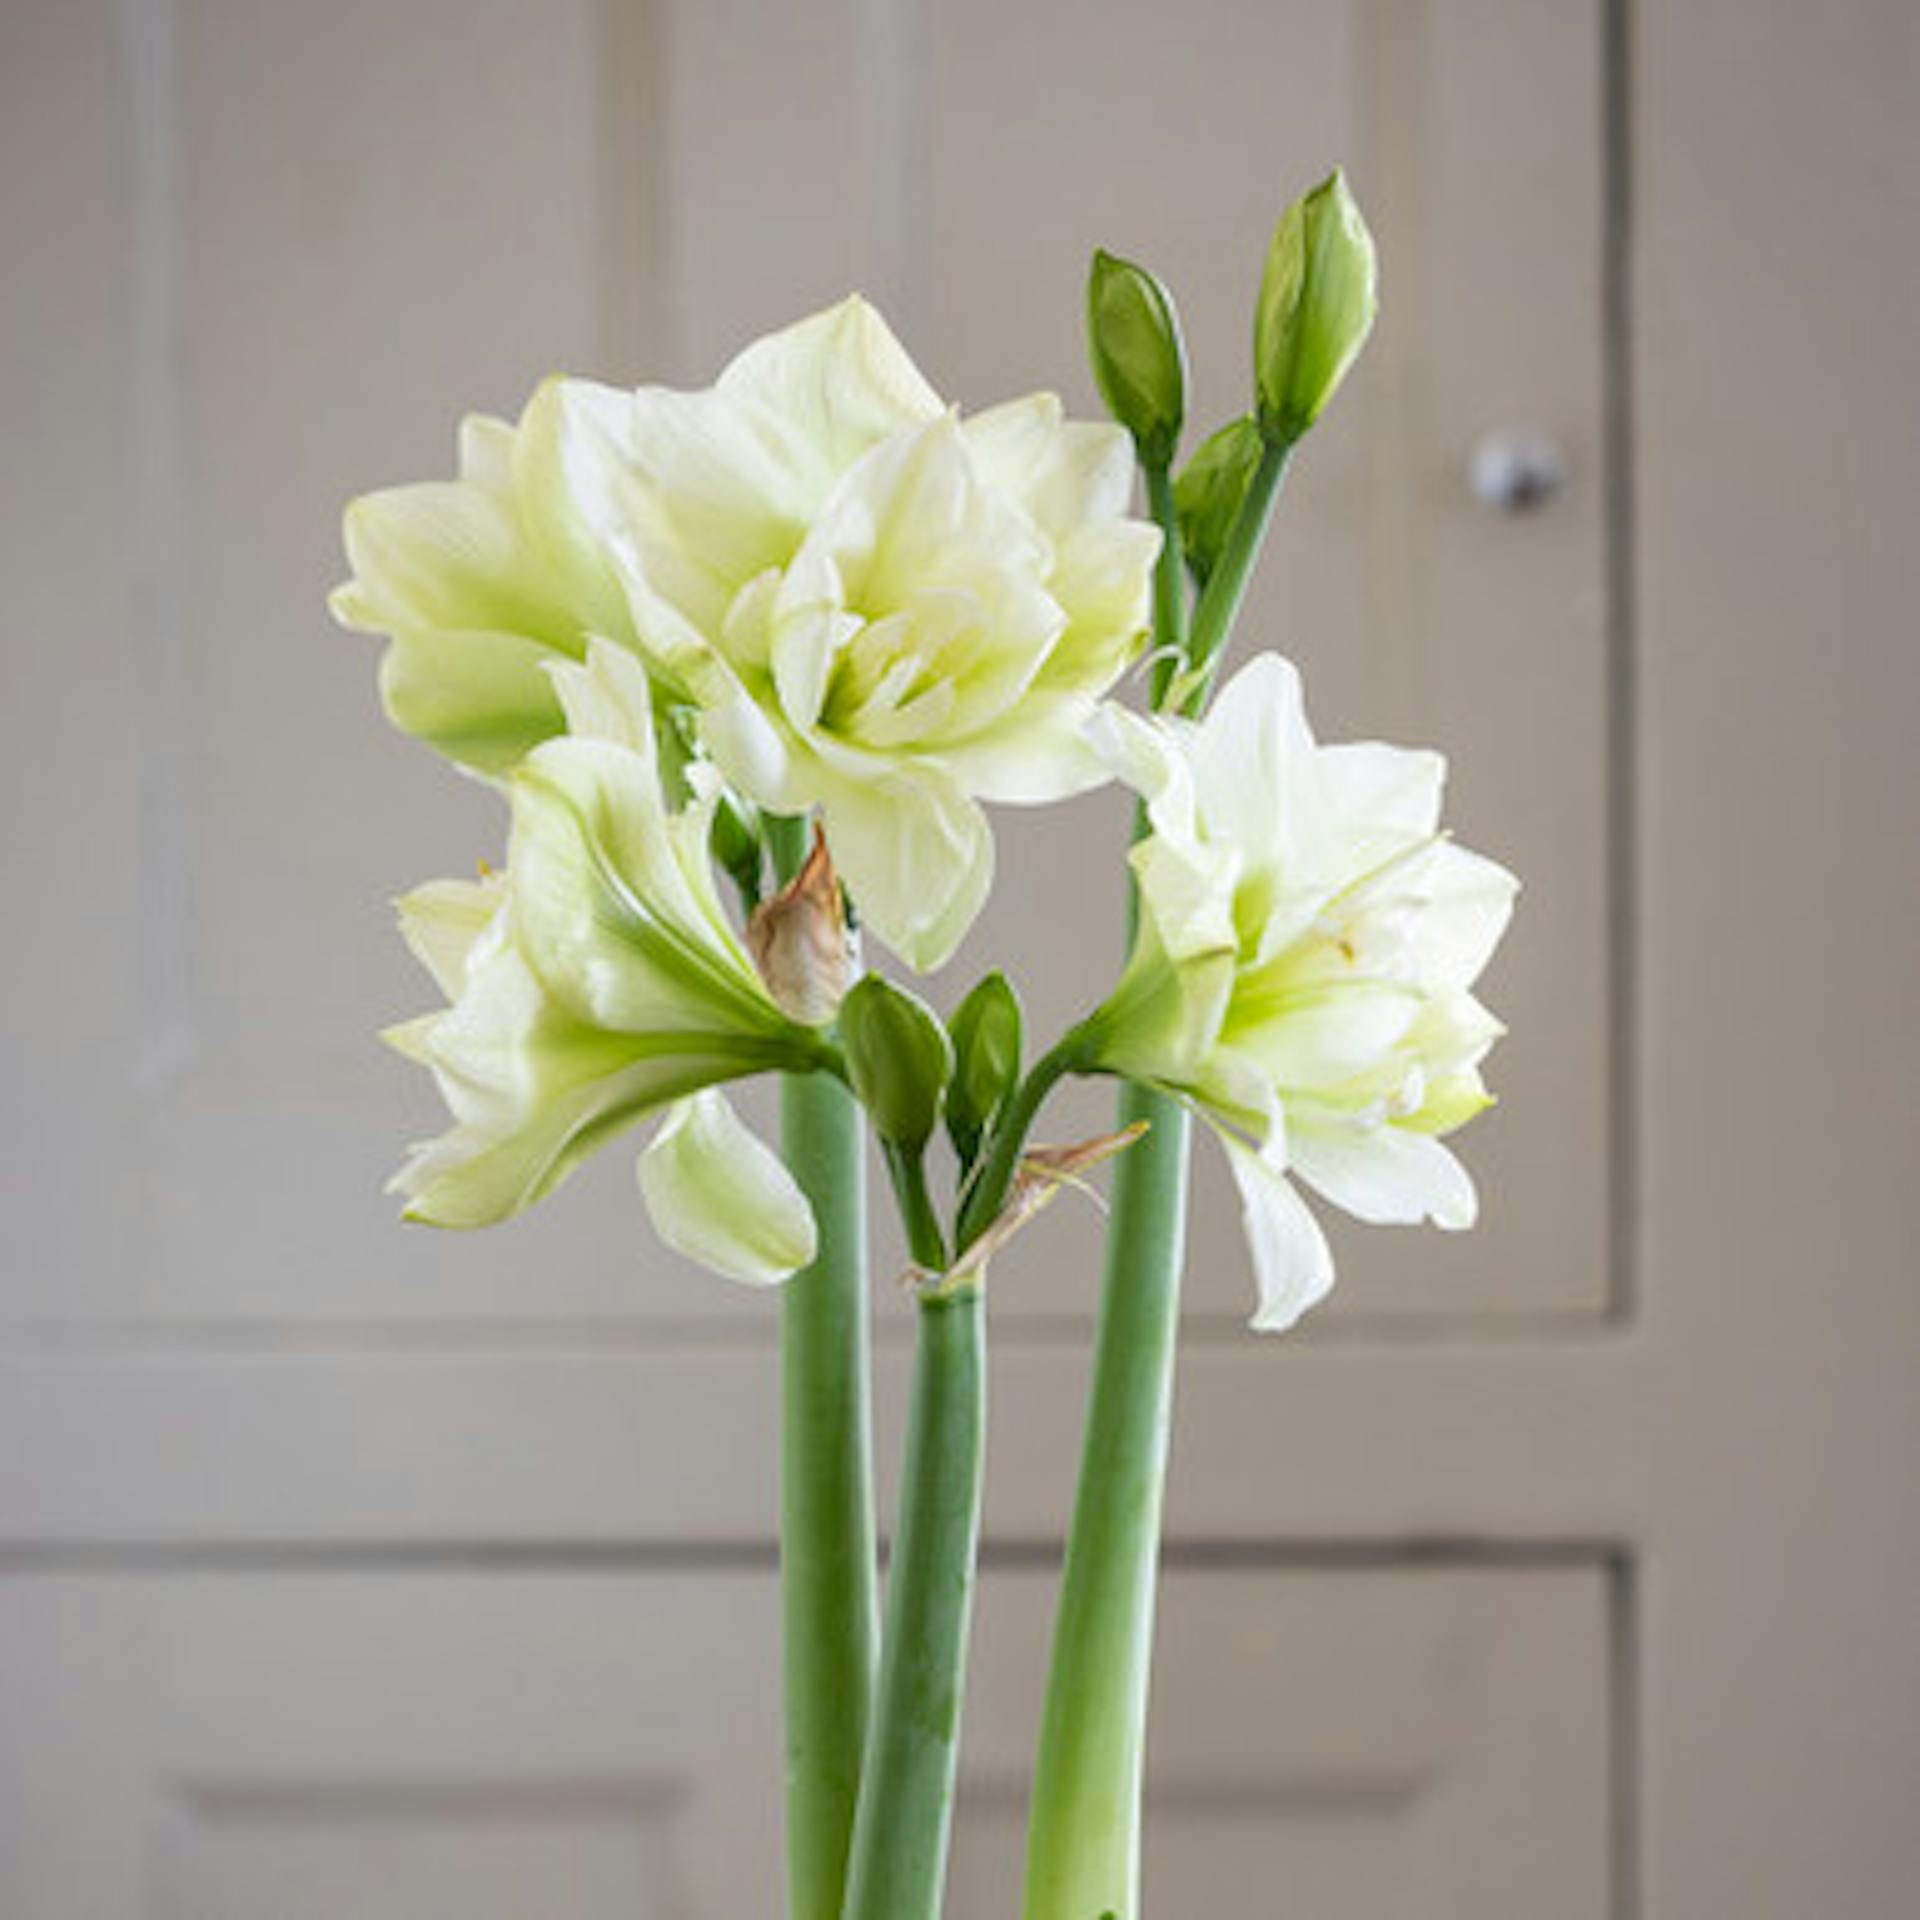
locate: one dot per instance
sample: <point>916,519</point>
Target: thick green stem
<point>1227,585</point>
<point>829,1583</point>
<point>906,1789</point>
<point>1083,1848</point>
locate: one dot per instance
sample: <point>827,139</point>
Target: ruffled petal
<point>1038,754</point>
<point>829,387</point>
<point>722,1197</point>
<point>1062,471</point>
<point>915,853</point>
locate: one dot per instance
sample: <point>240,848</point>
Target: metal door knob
<point>1516,469</point>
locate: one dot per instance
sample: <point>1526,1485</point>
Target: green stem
<point>829,1582</point>
<point>1083,1836</point>
<point>1226,586</point>
<point>908,1171</point>
<point>906,1791</point>
<point>1083,1846</point>
<point>1169,585</point>
<point>987,1192</point>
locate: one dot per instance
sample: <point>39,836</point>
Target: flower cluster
<point>812,589</point>
<point>812,618</point>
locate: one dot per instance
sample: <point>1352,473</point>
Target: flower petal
<point>915,852</point>
<point>1292,1264</point>
<point>607,697</point>
<point>531,1090</point>
<point>1254,771</point>
<point>1037,754</point>
<point>477,581</point>
<point>1470,903</point>
<point>721,1196</point>
<point>1385,1174</point>
<point>1385,790</point>
<point>1062,471</point>
<point>623,929</point>
<point>442,923</point>
<point>830,386</point>
<point>480,698</point>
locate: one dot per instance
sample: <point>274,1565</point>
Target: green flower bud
<point>898,1057</point>
<point>986,1050</point>
<point>1316,308</point>
<point>1139,361</point>
<point>1208,494</point>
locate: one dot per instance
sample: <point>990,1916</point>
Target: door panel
<point>1384,1742</point>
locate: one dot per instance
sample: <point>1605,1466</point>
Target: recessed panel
<point>1390,1742</point>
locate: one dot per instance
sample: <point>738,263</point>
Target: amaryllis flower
<point>1307,943</point>
<point>877,608</point>
<point>595,981</point>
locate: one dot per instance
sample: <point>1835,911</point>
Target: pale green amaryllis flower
<point>481,582</point>
<point>879,609</point>
<point>1308,941</point>
<point>595,981</point>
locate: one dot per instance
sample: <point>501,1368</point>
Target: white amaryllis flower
<point>1307,943</point>
<point>878,608</point>
<point>596,981</point>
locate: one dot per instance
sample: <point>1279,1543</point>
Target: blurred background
<point>1562,1571</point>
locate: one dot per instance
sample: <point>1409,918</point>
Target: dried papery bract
<point>800,941</point>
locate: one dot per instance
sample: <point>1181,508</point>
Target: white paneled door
<point>1555,1572</point>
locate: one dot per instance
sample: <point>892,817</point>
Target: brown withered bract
<point>1042,1172</point>
<point>799,941</point>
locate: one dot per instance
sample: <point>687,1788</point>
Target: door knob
<point>1516,469</point>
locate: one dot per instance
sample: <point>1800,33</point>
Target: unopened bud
<point>799,941</point>
<point>1139,361</point>
<point>986,1062</point>
<point>1209,491</point>
<point>1316,308</point>
<point>898,1057</point>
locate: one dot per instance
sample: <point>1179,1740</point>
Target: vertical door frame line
<point>165,1040</point>
<point>1619,546</point>
<point>1628,1706</point>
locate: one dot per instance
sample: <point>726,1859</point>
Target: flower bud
<point>986,1054</point>
<point>1208,494</point>
<point>898,1057</point>
<point>799,941</point>
<point>1316,308</point>
<point>1139,362</point>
